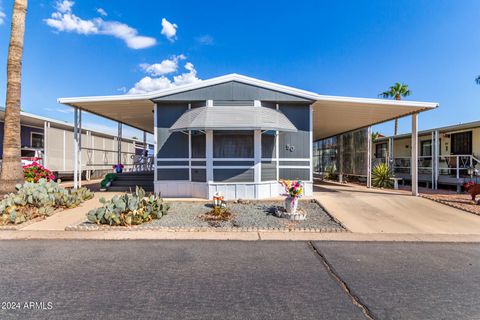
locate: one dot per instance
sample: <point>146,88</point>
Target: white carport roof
<point>332,114</point>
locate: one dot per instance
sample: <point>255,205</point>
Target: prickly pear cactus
<point>39,199</point>
<point>129,209</point>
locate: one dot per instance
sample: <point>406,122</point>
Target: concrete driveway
<point>365,210</point>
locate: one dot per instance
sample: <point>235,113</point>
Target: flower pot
<point>291,204</point>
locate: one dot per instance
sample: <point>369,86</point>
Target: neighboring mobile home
<point>239,135</point>
<point>52,140</point>
<point>447,155</point>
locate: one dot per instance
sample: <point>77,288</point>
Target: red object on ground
<point>472,188</point>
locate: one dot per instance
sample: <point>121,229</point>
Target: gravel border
<point>10,227</point>
<point>448,203</point>
<point>149,227</point>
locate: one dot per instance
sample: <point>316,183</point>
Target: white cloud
<point>149,84</point>
<point>165,67</point>
<point>169,30</point>
<point>65,6</point>
<point>102,12</point>
<point>206,40</point>
<point>65,20</point>
<point>2,16</point>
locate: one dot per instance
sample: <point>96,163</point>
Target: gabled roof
<point>197,85</point>
<point>332,114</point>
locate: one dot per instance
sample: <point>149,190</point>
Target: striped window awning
<point>233,118</point>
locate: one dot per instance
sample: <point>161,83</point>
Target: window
<point>27,153</point>
<point>426,148</point>
<point>198,144</point>
<point>36,140</point>
<point>461,143</point>
<point>233,144</point>
<point>381,150</point>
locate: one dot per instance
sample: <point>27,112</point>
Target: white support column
<point>46,125</point>
<point>155,145</point>
<point>257,150</point>
<point>437,158</point>
<point>277,151</point>
<point>75,148</point>
<point>257,154</point>
<point>391,154</point>
<point>432,161</point>
<point>79,132</point>
<point>209,155</point>
<point>209,152</point>
<point>369,157</point>
<point>119,143</point>
<point>190,150</point>
<point>89,150</point>
<point>311,143</point>
<point>64,150</point>
<point>414,155</point>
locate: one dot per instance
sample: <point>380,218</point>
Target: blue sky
<point>350,48</point>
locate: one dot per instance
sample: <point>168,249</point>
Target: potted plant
<point>294,190</point>
<point>118,167</point>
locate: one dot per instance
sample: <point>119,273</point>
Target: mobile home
<point>238,135</point>
<point>50,142</point>
<point>447,155</point>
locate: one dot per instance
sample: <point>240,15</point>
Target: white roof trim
<point>246,80</point>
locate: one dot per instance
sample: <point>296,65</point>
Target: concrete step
<point>128,189</point>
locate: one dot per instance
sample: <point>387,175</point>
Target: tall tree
<point>12,172</point>
<point>396,92</point>
<point>477,80</point>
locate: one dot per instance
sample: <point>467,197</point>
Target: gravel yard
<point>251,215</point>
<point>461,201</point>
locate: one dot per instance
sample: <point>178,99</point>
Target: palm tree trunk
<point>395,129</point>
<point>12,172</point>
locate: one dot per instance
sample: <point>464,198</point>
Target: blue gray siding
<point>24,136</point>
<point>233,175</point>
<point>302,174</point>
<point>269,171</point>
<point>296,144</point>
<point>172,174</point>
<point>199,175</point>
<point>170,145</point>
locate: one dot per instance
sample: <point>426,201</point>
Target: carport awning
<point>233,118</point>
<point>335,115</point>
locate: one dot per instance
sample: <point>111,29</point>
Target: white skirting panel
<point>231,191</point>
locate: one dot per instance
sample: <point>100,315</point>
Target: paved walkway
<point>65,218</point>
<point>386,211</point>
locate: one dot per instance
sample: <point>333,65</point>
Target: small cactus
<point>39,199</point>
<point>128,209</point>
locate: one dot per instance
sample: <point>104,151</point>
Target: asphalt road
<point>238,280</point>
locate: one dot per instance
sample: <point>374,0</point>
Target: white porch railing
<point>143,163</point>
<point>446,165</point>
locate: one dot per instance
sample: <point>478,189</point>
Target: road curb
<point>239,235</point>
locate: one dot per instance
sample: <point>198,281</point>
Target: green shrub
<point>39,199</point>
<point>129,209</point>
<point>381,176</point>
<point>330,172</point>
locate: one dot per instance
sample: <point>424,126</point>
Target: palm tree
<point>477,80</point>
<point>12,172</point>
<point>396,91</point>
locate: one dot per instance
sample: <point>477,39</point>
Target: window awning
<point>233,118</point>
